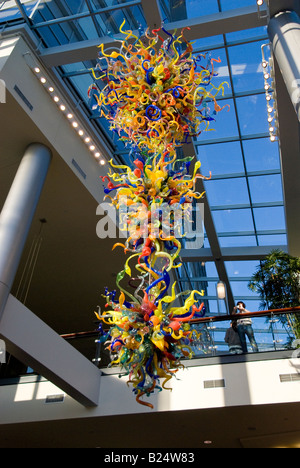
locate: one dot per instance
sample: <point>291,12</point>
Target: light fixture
<point>262,13</point>
<point>221,290</point>
<point>270,89</point>
<point>45,81</point>
<point>222,296</point>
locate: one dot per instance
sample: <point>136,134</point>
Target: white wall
<point>252,383</point>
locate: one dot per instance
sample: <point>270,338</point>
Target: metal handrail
<point>262,313</point>
<point>217,318</point>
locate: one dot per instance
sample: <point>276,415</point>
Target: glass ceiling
<point>245,193</point>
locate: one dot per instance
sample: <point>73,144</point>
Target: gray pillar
<point>284,33</point>
<point>17,214</point>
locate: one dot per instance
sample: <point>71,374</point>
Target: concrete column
<point>17,214</point>
<point>284,33</point>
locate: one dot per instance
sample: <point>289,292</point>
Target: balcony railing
<point>274,331</point>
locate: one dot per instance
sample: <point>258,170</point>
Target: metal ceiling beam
<point>214,254</point>
<point>230,253</point>
<point>224,22</point>
<point>85,14</point>
<point>94,19</point>
<point>152,13</point>
<point>23,13</point>
<point>210,25</point>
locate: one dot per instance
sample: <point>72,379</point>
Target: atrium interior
<point>54,365</point>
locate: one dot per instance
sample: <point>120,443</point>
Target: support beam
<point>23,12</point>
<point>36,345</point>
<point>239,19</point>
<point>231,253</point>
<point>17,214</point>
<point>284,32</point>
<point>215,250</point>
<point>152,13</point>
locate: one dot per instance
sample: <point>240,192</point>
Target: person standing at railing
<point>233,340</point>
<point>244,328</point>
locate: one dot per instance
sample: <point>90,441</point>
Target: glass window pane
<point>210,269</point>
<point>273,240</point>
<point>261,154</point>
<point>243,269</point>
<point>252,111</point>
<point>254,306</point>
<point>197,8</point>
<point>177,10</point>
<point>266,188</point>
<point>247,72</point>
<point>227,192</point>
<point>248,34</point>
<point>238,221</point>
<point>222,158</point>
<point>233,4</point>
<point>238,241</point>
<point>222,72</point>
<point>208,42</point>
<point>225,124</point>
<point>240,289</point>
<point>268,219</point>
